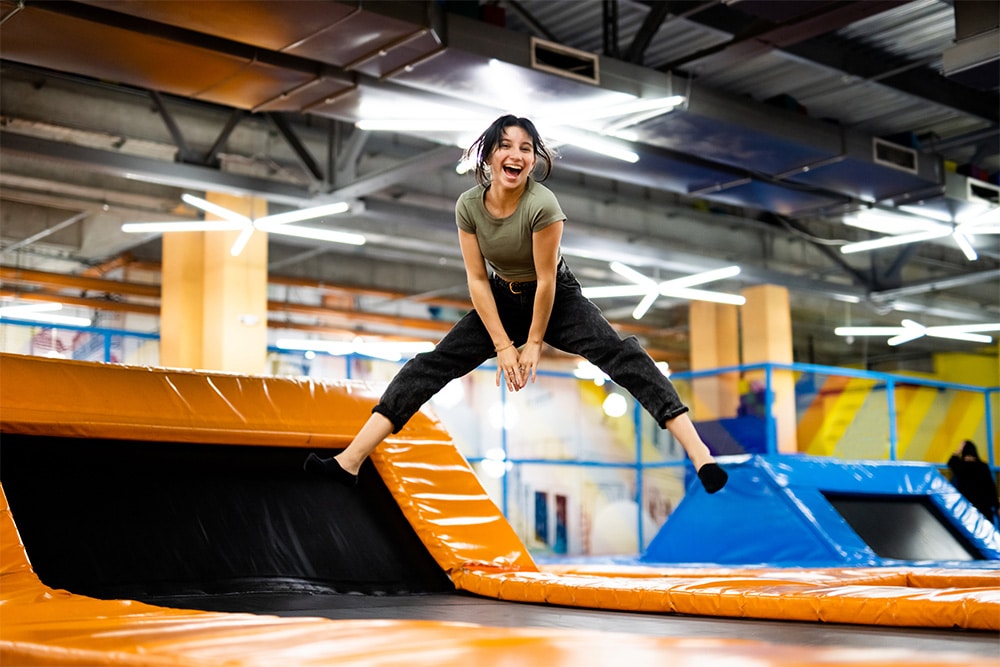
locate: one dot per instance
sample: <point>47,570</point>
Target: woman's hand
<point>528,361</point>
<point>509,367</point>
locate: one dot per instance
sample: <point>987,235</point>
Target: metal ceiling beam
<point>658,12</point>
<point>190,176</point>
<point>529,20</point>
<point>201,178</point>
<point>755,34</point>
<point>58,227</point>
<point>939,284</point>
<point>29,276</point>
<point>420,164</point>
<point>852,58</point>
<point>299,149</point>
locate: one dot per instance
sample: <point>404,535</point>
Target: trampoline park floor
<point>460,607</point>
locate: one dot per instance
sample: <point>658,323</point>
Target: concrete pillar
<point>715,343</point>
<point>766,325</point>
<point>213,311</point>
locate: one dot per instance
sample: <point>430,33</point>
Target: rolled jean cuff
<point>677,412</point>
<point>396,425</point>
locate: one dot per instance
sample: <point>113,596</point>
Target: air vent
<point>893,155</point>
<point>967,189</point>
<point>564,61</point>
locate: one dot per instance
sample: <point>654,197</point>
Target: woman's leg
<point>376,429</point>
<point>577,326</point>
<point>465,347</point>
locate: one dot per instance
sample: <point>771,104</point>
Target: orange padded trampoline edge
<point>436,488</point>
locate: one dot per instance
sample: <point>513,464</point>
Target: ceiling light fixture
<point>42,312</point>
<point>388,350</point>
<point>593,143</point>
<point>583,131</point>
<point>680,288</point>
<point>911,330</point>
<point>464,124</point>
<point>904,229</point>
<point>273,224</point>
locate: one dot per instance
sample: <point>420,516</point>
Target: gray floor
<point>460,607</point>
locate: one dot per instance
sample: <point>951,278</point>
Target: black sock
<point>712,477</point>
<point>330,467</point>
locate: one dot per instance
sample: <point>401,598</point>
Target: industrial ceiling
<point>795,115</point>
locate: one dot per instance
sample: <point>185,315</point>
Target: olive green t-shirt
<point>506,242</point>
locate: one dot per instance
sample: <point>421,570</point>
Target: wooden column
<point>715,343</point>
<point>766,325</point>
<point>213,312</point>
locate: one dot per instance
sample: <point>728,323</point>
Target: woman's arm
<point>486,307</point>
<point>545,249</point>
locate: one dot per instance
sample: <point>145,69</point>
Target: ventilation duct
<point>974,59</point>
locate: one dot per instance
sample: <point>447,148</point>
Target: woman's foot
<point>712,477</point>
<point>331,468</point>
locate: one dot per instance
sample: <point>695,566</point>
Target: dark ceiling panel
<point>731,144</point>
<point>775,198</point>
<point>360,37</point>
<point>865,180</point>
<point>272,25</point>
<point>113,54</point>
<point>253,85</point>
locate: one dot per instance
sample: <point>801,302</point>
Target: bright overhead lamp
<point>894,224</point>
<point>232,221</point>
<point>965,246</point>
<point>641,106</point>
<point>904,229</point>
<point>889,241</point>
<point>911,330</point>
<point>388,350</point>
<point>593,143</point>
<point>680,288</point>
<point>181,226</point>
<point>464,124</point>
<point>332,235</point>
<point>42,312</point>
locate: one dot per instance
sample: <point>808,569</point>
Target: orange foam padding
<point>436,488</point>
<point>869,596</point>
<point>42,626</point>
<point>442,498</point>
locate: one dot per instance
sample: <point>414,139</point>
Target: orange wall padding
<point>448,508</point>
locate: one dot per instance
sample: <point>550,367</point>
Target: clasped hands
<point>515,367</point>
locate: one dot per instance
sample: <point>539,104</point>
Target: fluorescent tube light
<point>215,209</point>
<point>42,312</point>
<point>182,226</point>
<point>704,295</point>
<point>911,330</point>
<point>303,214</point>
<point>331,235</point>
<point>963,243</point>
<point>888,241</point>
<point>423,124</point>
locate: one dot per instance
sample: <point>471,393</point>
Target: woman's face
<point>513,159</point>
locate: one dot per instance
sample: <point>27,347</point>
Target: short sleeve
<point>547,210</point>
<point>462,217</point>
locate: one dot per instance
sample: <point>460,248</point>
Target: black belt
<point>515,287</point>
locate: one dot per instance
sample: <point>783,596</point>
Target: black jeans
<point>575,326</point>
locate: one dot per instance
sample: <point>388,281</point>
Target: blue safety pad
<point>776,510</point>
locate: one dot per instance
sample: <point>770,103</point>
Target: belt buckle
<point>510,286</point>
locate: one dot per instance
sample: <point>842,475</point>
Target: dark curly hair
<point>487,143</point>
